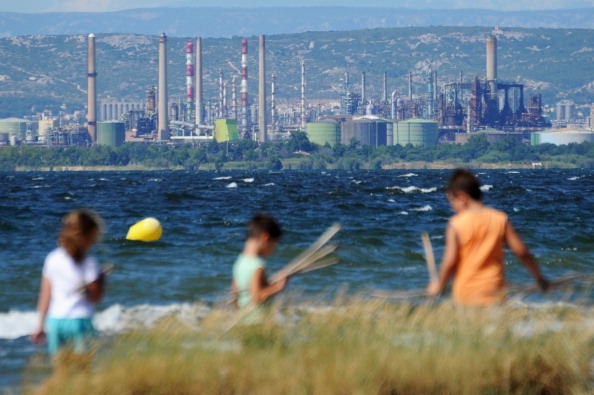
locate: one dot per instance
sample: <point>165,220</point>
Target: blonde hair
<point>76,227</point>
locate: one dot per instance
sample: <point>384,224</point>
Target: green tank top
<point>243,271</point>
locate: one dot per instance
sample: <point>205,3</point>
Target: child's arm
<point>516,244</point>
<point>42,307</point>
<point>260,290</point>
<point>448,263</point>
<point>96,289</point>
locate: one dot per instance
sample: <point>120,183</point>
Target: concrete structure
<point>111,134</point>
<point>91,92</point>
<point>163,119</point>
<point>244,124</point>
<point>365,131</point>
<point>262,90</point>
<point>418,132</point>
<point>18,127</point>
<point>492,135</point>
<point>189,80</point>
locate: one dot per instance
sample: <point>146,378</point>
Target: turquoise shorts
<point>77,333</point>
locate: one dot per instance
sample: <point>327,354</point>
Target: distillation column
<point>91,92</point>
<point>163,127</point>
<point>262,90</point>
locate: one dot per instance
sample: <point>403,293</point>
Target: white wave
<point>391,200</point>
<point>403,213</point>
<point>574,178</point>
<point>409,175</point>
<point>103,179</point>
<point>156,179</point>
<point>486,188</point>
<point>114,319</point>
<point>38,179</point>
<point>412,188</point>
<point>424,208</point>
<point>222,178</point>
<point>356,182</point>
<point>248,180</point>
<point>231,185</point>
<point>512,172</point>
<point>269,184</point>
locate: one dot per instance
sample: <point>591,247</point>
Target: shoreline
<point>417,165</point>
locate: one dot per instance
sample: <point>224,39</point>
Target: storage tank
<point>321,133</point>
<point>562,137</point>
<point>367,132</point>
<point>416,131</point>
<point>18,127</point>
<point>112,134</point>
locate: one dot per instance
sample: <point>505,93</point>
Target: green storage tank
<point>324,132</point>
<point>111,133</point>
<point>18,127</point>
<point>415,131</point>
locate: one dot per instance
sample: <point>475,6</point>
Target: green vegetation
<point>298,153</point>
<point>353,347</point>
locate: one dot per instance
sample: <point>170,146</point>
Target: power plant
<point>461,106</point>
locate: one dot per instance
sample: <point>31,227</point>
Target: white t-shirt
<point>67,278</point>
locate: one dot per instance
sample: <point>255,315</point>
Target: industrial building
<point>562,136</point>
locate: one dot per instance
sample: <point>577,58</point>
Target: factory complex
<point>448,113</point>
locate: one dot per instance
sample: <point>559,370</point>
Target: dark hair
<point>264,223</point>
<point>77,225</point>
<point>463,180</point>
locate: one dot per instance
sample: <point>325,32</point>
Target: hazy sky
<point>117,5</point>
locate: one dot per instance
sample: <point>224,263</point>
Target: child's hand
<point>433,289</point>
<point>543,284</point>
<point>38,337</point>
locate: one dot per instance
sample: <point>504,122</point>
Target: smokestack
<point>273,102</point>
<point>91,92</point>
<point>385,96</point>
<point>163,128</point>
<point>189,80</point>
<point>303,120</point>
<point>363,87</point>
<point>234,96</point>
<point>435,85</point>
<point>221,96</point>
<point>199,91</point>
<point>492,65</point>
<point>410,93</point>
<point>262,90</point>
<point>244,87</point>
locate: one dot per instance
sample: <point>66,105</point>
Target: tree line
<point>296,153</point>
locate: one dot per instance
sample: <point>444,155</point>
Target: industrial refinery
<point>445,112</point>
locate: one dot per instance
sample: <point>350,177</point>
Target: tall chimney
<point>189,80</point>
<point>91,92</point>
<point>221,96</point>
<point>244,88</point>
<point>385,95</point>
<point>273,102</point>
<point>492,65</point>
<point>163,127</point>
<point>262,90</point>
<point>234,96</point>
<point>410,92</point>
<point>303,117</point>
<point>363,87</point>
<point>199,90</point>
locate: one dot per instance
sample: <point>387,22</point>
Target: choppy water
<point>204,215</point>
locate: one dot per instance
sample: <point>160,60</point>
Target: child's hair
<point>76,225</point>
<point>264,223</point>
<point>463,180</point>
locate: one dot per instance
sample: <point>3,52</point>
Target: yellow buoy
<point>149,229</point>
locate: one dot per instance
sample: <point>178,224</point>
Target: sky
<point>40,6</point>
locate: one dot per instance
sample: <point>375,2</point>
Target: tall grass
<point>353,347</point>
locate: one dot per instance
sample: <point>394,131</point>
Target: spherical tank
<point>111,133</point>
<point>323,132</point>
<point>418,132</point>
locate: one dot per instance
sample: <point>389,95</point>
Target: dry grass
<point>353,347</point>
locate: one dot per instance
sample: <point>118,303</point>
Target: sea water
<point>204,216</point>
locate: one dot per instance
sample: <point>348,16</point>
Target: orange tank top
<point>479,278</point>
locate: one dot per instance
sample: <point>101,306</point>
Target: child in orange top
<point>474,247</point>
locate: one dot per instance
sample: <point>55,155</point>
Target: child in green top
<point>250,285</point>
